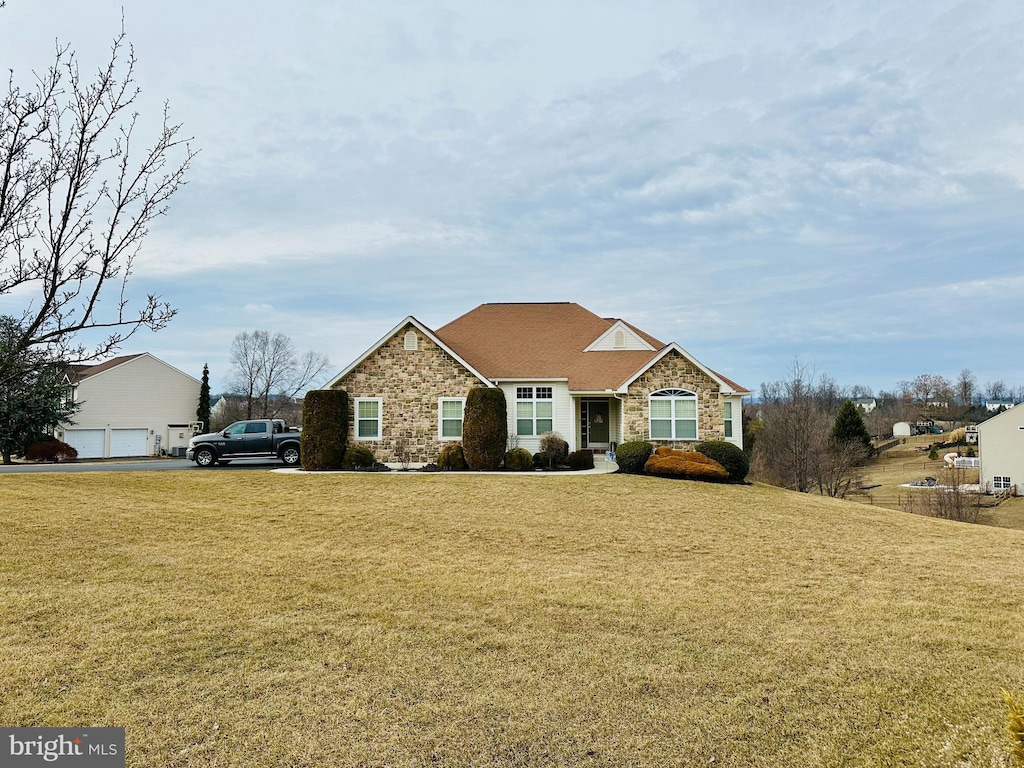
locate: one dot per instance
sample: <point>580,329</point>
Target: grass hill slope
<point>258,619</point>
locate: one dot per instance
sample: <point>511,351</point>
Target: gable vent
<point>411,341</point>
<point>620,339</point>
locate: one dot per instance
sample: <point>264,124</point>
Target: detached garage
<point>133,405</point>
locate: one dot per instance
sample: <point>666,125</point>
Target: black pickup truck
<point>258,438</point>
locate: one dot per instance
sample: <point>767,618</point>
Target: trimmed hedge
<point>518,460</point>
<point>580,460</point>
<point>632,456</point>
<point>358,457</point>
<point>691,465</point>
<point>51,450</point>
<point>324,429</point>
<point>451,458</point>
<point>484,428</point>
<point>730,456</point>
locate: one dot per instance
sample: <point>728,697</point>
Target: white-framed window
<point>368,418</point>
<point>449,417</point>
<point>727,418</point>
<point>535,410</point>
<point>673,414</point>
<point>1001,482</point>
<point>411,342</point>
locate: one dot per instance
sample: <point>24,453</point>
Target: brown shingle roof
<point>511,341</point>
<point>85,371</point>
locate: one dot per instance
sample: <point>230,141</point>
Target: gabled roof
<point>78,373</point>
<point>410,320</point>
<point>551,341</point>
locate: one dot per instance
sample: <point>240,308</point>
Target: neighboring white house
<point>135,405</point>
<point>995,405</point>
<point>1001,440</point>
<point>866,404</point>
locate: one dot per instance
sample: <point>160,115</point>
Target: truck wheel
<point>205,457</point>
<point>290,456</point>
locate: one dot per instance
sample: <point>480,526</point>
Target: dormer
<point>618,338</point>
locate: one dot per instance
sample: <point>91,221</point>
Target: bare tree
<point>77,198</point>
<point>794,430</point>
<point>966,385</point>
<point>269,374</point>
<point>996,390</point>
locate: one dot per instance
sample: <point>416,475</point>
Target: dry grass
<point>256,619</point>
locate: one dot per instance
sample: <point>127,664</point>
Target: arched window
<point>411,341</point>
<point>673,414</point>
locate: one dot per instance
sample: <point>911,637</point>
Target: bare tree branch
<point>77,197</point>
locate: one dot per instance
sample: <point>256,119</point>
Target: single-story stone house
<point>596,381</point>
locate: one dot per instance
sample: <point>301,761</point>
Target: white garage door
<point>128,442</point>
<point>88,442</point>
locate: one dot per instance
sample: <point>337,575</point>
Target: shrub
<point>552,443</point>
<point>546,460</point>
<point>970,452</point>
<point>484,428</point>
<point>358,457</point>
<point>579,460</point>
<point>518,460</point>
<point>685,464</point>
<point>51,450</point>
<point>730,456</point>
<point>451,458</point>
<point>631,456</point>
<point>324,429</point>
<point>933,454</point>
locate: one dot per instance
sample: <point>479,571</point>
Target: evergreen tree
<point>484,428</point>
<point>849,427</point>
<point>35,398</point>
<point>203,411</point>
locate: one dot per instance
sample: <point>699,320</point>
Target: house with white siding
<point>1001,440</point>
<point>134,405</point>
<point>596,381</point>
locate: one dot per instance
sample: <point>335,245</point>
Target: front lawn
<point>258,619</point>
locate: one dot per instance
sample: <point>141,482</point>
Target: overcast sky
<point>839,182</point>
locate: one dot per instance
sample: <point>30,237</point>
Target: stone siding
<point>409,384</point>
<point>673,372</point>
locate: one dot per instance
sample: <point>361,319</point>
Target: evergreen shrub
<point>324,429</point>
<point>484,428</point>
<point>730,456</point>
<point>358,457</point>
<point>518,460</point>
<point>632,455</point>
<point>580,460</point>
<point>451,458</point>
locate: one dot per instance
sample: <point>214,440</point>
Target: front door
<point>595,414</point>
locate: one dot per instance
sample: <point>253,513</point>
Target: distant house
<point>134,405</point>
<point>1001,440</point>
<point>596,381</point>
<point>866,404</point>
<point>995,405</point>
